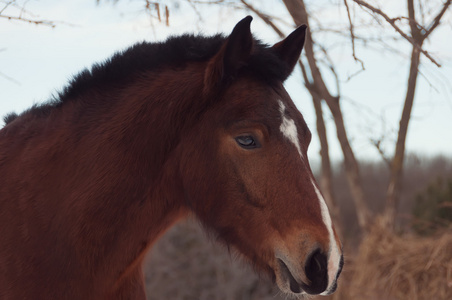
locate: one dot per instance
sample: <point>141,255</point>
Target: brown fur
<point>85,190</point>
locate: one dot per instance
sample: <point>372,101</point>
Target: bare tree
<point>14,10</point>
<point>319,90</point>
<point>418,33</point>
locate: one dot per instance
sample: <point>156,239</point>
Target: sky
<point>38,61</point>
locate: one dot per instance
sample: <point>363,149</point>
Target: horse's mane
<point>175,51</point>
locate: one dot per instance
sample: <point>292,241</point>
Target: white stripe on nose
<point>289,130</point>
<point>334,257</point>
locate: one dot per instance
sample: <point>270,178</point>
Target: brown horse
<point>195,125</point>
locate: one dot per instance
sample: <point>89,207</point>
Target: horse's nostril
<point>317,272</point>
<point>294,286</point>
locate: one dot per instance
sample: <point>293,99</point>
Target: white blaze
<point>333,262</point>
<point>289,130</point>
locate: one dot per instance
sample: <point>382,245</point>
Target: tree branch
<point>264,18</point>
<point>352,35</point>
<point>21,14</point>
<point>415,32</point>
<point>37,22</point>
<point>400,31</point>
<point>9,78</point>
<point>437,19</point>
<point>377,144</point>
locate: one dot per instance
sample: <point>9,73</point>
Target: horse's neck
<point>136,144</point>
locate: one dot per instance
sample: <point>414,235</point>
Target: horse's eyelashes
<point>247,142</point>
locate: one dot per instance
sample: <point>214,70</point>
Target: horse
<point>192,126</point>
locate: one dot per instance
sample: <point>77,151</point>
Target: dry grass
<point>389,266</point>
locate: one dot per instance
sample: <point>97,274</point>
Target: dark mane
<point>142,57</point>
<point>175,51</point>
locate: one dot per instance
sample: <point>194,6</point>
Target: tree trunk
<point>351,167</point>
<point>395,182</point>
<point>299,14</point>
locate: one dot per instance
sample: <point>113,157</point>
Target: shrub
<point>433,207</point>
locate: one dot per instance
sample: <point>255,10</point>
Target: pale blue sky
<point>40,60</point>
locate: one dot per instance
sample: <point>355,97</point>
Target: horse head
<point>245,170</point>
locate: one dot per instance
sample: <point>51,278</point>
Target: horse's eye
<point>247,142</point>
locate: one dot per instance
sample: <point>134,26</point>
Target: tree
<point>418,32</point>
<point>320,91</point>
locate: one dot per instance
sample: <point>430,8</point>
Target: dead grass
<point>389,266</point>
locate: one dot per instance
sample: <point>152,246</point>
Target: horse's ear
<point>232,55</point>
<point>289,49</point>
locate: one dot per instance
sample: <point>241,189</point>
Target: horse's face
<point>247,177</point>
